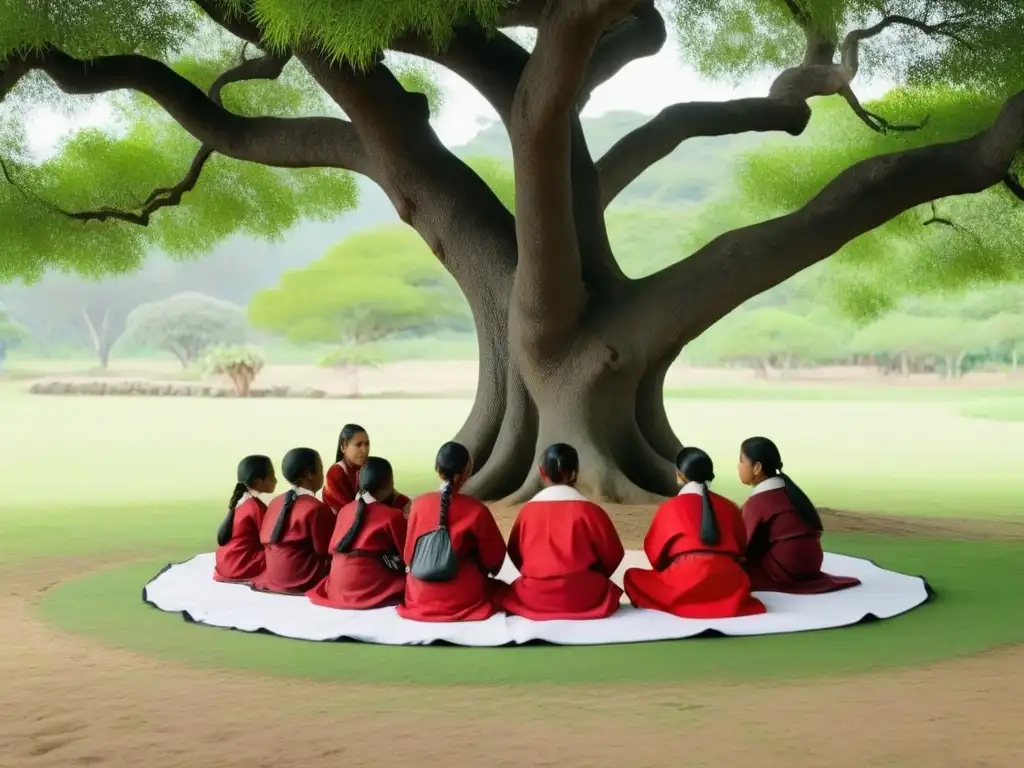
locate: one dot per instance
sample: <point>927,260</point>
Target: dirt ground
<point>68,702</point>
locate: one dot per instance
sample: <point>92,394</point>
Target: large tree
<point>571,349</point>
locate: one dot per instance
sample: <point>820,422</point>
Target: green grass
<point>995,410</point>
<point>978,607</point>
<point>842,393</point>
<point>105,476</point>
<point>84,455</point>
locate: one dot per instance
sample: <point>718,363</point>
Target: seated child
<point>342,482</point>
<point>783,527</point>
<point>471,594</point>
<point>239,549</point>
<point>297,528</point>
<point>694,545</point>
<point>369,536</point>
<point>565,547</point>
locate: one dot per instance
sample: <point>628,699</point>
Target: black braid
<point>709,533</point>
<point>446,499</point>
<point>227,526</point>
<point>350,535</point>
<point>804,507</point>
<point>282,517</point>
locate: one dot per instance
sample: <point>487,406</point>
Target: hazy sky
<point>646,86</point>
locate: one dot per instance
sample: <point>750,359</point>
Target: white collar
<point>302,491</point>
<point>771,484</point>
<point>366,496</point>
<point>559,493</point>
<point>690,488</point>
<point>245,497</point>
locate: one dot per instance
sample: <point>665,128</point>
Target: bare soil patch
<point>68,702</point>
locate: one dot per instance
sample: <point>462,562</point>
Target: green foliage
<point>12,334</point>
<point>768,334</point>
<point>241,364</point>
<point>187,325</point>
<point>497,174</point>
<point>373,285</point>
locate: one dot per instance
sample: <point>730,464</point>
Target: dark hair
<point>250,469</point>
<point>295,465</point>
<point>697,466</point>
<point>560,462</point>
<point>452,459</point>
<point>375,474</point>
<point>347,433</point>
<point>761,450</point>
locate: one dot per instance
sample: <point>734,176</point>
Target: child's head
<point>759,460</point>
<point>303,468</point>
<point>453,464</point>
<point>694,466</point>
<point>377,478</point>
<point>256,473</point>
<point>353,445</point>
<point>559,465</point>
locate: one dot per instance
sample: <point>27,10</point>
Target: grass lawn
<point>95,476</point>
<point>998,409</point>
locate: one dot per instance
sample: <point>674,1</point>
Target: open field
<point>101,491</point>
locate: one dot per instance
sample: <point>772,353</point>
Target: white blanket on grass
<point>188,588</point>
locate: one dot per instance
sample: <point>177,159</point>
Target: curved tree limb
<point>741,264</point>
<point>282,142</point>
<point>639,35</point>
<point>268,67</point>
<point>784,109</point>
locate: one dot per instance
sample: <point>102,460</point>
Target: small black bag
<point>433,558</point>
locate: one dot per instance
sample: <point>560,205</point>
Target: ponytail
<point>283,515</point>
<point>227,525</point>
<point>804,507</point>
<point>709,533</point>
<point>446,499</point>
<point>350,535</point>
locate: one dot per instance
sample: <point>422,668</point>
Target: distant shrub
<point>240,364</point>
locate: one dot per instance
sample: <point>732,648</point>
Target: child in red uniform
<point>565,547</point>
<point>472,594</point>
<point>783,527</point>
<point>342,482</point>
<point>694,545</point>
<point>369,536</point>
<point>297,528</point>
<point>239,552</point>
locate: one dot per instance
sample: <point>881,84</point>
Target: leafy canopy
<point>186,325</point>
<point>373,285</point>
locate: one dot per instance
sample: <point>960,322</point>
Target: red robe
<point>784,553</point>
<point>242,558</point>
<point>301,558</point>
<point>566,549</point>
<point>341,484</point>
<point>471,595</point>
<point>692,579</point>
<point>359,580</point>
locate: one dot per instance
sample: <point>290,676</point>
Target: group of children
<point>351,550</point>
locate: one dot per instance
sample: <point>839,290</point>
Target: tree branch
<point>635,37</point>
<point>268,67</point>
<point>746,262</point>
<point>541,130</point>
<point>276,141</point>
<point>784,109</point>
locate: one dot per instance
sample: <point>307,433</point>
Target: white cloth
<point>771,484</point>
<point>188,588</point>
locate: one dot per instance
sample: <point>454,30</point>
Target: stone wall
<point>143,388</point>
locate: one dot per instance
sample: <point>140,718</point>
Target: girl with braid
<point>694,546</point>
<point>783,527</point>
<point>342,481</point>
<point>297,529</point>
<point>239,549</point>
<point>472,594</point>
<point>369,536</point>
<point>565,547</point>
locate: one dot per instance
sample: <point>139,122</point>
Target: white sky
<point>645,86</point>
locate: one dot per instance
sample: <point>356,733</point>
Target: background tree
<point>12,334</point>
<point>352,360</point>
<point>186,325</point>
<point>1006,332</point>
<point>375,284</point>
<point>571,349</point>
<point>240,364</point>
